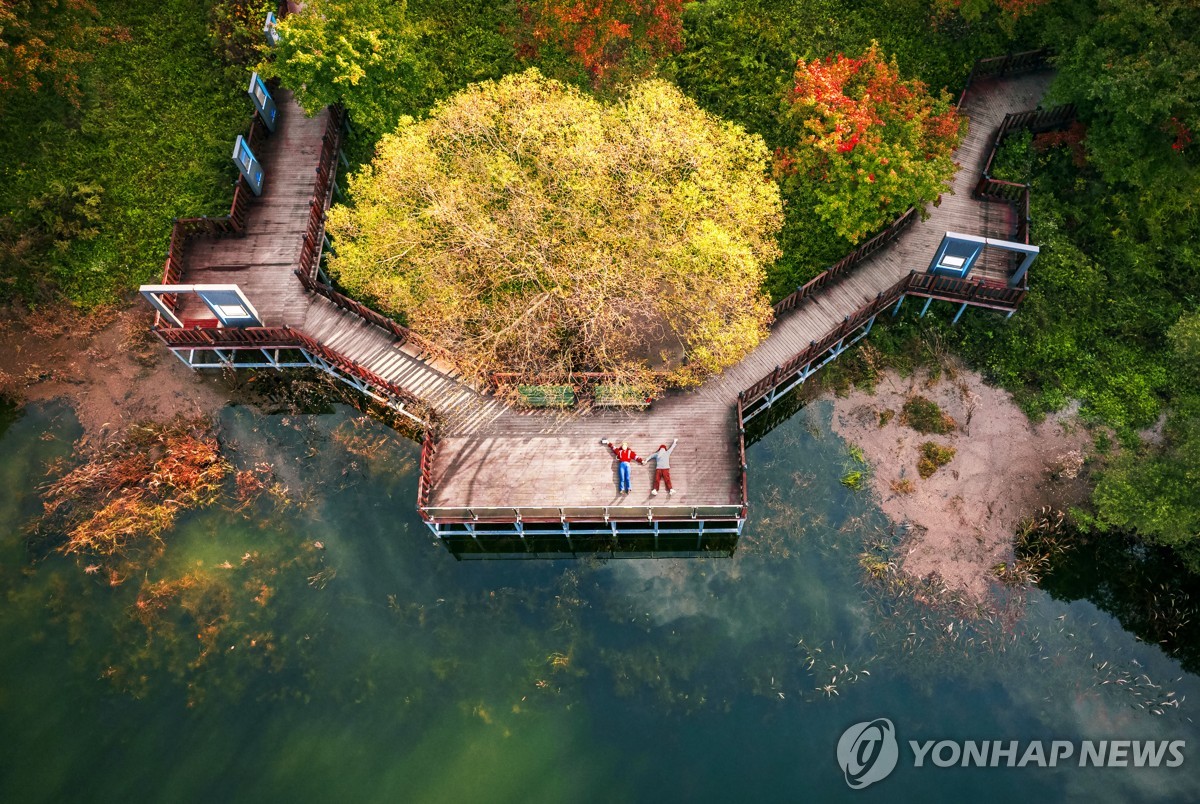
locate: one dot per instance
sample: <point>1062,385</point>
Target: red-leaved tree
<point>868,144</point>
<point>599,34</point>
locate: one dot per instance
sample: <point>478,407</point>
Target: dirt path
<point>108,366</point>
<point>1004,469</point>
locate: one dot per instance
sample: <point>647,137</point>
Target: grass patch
<point>933,457</point>
<point>89,191</point>
<point>924,416</point>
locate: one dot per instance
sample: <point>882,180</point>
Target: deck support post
<point>958,315</point>
<point>924,309</point>
<point>899,302</point>
<point>870,323</point>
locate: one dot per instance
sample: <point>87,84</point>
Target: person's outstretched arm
<point>674,441</point>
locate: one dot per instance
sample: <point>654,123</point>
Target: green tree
<point>868,144</point>
<point>528,227</point>
<point>1154,491</point>
<point>358,52</point>
<point>1133,70</point>
<point>43,41</point>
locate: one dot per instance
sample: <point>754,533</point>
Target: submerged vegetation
<point>127,497</point>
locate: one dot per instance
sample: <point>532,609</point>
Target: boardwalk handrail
<point>1007,65</point>
<point>314,232</point>
<point>978,293</point>
<point>1014,193</point>
<point>183,228</point>
<point>861,253</point>
<point>287,338</point>
<point>425,477</point>
<point>743,485</point>
<point>400,332</point>
<point>464,514</point>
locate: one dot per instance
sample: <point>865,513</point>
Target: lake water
<point>375,667</point>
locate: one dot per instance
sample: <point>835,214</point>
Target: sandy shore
<point>1004,469</point>
<point>109,366</point>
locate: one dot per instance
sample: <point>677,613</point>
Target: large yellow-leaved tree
<point>527,227</point>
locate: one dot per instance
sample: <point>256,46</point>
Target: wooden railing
<point>402,333</point>
<point>286,338</point>
<point>233,223</point>
<point>1011,64</point>
<point>863,252</point>
<point>425,479</point>
<point>314,232</point>
<point>992,189</point>
<point>975,292</point>
<point>978,293</point>
<point>741,440</point>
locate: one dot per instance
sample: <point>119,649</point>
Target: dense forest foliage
<point>117,116</point>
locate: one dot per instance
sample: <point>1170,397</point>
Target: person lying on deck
<point>662,469</point>
<point>624,456</point>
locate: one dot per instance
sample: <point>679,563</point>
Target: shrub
<point>868,143</point>
<point>933,457</point>
<point>924,416</point>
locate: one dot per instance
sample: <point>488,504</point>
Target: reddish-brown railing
<point>818,348</point>
<point>1011,64</point>
<point>740,423</point>
<point>285,338</point>
<point>398,331</point>
<point>978,293</point>
<point>425,479</point>
<point>314,233</point>
<point>863,252</point>
<point>974,292</point>
<point>233,223</point>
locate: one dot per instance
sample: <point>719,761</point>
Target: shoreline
<point>107,365</point>
<point>963,517</point>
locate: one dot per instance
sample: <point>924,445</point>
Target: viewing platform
<point>248,291</point>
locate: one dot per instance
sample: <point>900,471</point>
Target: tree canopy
<point>599,34</point>
<point>528,227</point>
<point>868,144</point>
<point>357,52</point>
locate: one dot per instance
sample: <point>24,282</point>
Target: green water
<point>377,668</point>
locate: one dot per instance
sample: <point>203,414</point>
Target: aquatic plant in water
<point>127,495</point>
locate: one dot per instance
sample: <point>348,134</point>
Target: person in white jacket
<point>662,469</point>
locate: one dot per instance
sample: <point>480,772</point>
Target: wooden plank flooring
<point>262,260</point>
<point>493,456</point>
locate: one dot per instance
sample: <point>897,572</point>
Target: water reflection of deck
<point>498,470</point>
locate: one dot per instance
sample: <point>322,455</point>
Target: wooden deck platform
<point>263,260</point>
<point>493,460</point>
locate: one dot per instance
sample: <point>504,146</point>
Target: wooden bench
<point>621,396</point>
<point>546,396</point>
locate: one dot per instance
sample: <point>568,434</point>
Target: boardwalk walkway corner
<point>248,291</point>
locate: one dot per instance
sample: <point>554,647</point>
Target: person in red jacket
<point>624,456</point>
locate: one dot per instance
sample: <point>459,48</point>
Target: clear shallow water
<point>377,668</point>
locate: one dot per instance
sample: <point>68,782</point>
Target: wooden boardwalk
<point>491,457</point>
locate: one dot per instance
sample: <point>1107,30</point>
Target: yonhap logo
<point>868,752</point>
